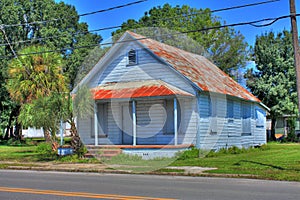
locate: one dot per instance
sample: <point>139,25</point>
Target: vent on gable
<point>132,57</point>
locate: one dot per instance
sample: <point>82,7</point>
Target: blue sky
<point>118,16</point>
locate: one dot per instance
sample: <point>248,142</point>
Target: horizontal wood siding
<point>219,131</point>
<point>151,118</point>
<point>114,123</point>
<point>84,126</point>
<point>188,126</point>
<point>148,68</point>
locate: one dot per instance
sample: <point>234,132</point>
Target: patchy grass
<point>136,164</point>
<point>39,153</point>
<point>18,153</point>
<point>274,161</point>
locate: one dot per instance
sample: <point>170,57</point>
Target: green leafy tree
<point>274,80</point>
<point>81,107</point>
<point>61,31</point>
<point>45,113</point>
<point>34,81</point>
<point>225,47</point>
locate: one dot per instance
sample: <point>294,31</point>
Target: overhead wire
<point>120,26</point>
<point>80,15</point>
<point>184,32</point>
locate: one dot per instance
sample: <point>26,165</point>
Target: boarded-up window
<point>230,109</point>
<point>169,125</point>
<point>260,118</point>
<point>213,107</point>
<point>246,119</point>
<point>102,121</point>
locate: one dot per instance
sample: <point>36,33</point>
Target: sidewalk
<point>95,167</point>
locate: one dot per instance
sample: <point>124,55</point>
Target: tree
<point>274,80</point>
<point>35,83</point>
<point>226,47</point>
<point>81,107</point>
<point>60,31</point>
<point>44,112</point>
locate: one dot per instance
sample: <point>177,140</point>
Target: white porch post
<point>96,124</point>
<point>175,123</point>
<point>134,122</point>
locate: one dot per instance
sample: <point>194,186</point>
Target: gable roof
<point>196,68</point>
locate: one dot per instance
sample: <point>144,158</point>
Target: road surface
<point>31,185</point>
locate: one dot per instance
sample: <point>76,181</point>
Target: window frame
<point>132,53</point>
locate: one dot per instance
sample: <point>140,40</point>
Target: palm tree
<point>35,81</point>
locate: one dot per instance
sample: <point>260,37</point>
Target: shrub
<point>14,142</point>
<point>45,150</point>
<point>188,154</point>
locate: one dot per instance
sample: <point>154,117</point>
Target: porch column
<point>175,123</point>
<point>96,124</point>
<point>134,122</point>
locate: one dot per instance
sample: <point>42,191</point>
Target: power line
<point>113,8</point>
<point>80,15</point>
<point>6,38</point>
<point>51,37</point>
<point>164,19</point>
<point>246,5</point>
<point>184,32</point>
<point>129,4</point>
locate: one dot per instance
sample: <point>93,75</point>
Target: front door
<point>127,124</point>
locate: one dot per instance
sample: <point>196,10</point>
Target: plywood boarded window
<point>102,121</point>
<point>132,57</point>
<point>246,119</point>
<point>169,125</point>
<point>260,118</point>
<point>230,113</point>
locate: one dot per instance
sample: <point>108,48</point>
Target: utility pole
<point>296,48</point>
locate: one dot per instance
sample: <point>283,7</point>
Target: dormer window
<point>132,57</point>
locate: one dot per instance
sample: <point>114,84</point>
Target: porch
<point>138,114</point>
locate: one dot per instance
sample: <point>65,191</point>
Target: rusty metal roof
<point>136,89</point>
<point>198,69</point>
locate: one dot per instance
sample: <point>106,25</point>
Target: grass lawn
<point>277,161</point>
<point>18,153</point>
<point>273,161</point>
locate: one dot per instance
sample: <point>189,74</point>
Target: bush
<point>45,150</point>
<point>14,142</point>
<point>188,154</point>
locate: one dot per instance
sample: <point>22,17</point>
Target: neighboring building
<point>149,93</point>
<point>282,127</point>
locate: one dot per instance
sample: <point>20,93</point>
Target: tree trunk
<point>18,127</point>
<point>18,131</point>
<point>273,123</point>
<point>47,135</point>
<point>9,128</point>
<point>76,142</point>
<point>50,139</point>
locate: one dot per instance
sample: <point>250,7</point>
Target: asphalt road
<point>30,185</point>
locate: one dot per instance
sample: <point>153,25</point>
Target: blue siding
<point>147,68</point>
<point>216,131</point>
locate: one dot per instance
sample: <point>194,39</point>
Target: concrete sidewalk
<point>96,167</point>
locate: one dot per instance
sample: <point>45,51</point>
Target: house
<point>150,95</point>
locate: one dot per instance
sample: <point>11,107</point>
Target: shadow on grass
<point>266,165</point>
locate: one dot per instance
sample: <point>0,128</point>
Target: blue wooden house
<point>150,95</point>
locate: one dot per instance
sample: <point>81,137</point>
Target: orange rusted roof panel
<point>136,89</point>
<point>198,69</point>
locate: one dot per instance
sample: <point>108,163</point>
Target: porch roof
<point>136,89</point>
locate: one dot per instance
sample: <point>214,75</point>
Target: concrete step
<point>100,152</point>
